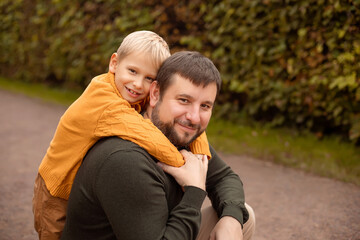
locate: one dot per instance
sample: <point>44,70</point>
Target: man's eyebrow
<point>185,96</point>
<point>210,103</point>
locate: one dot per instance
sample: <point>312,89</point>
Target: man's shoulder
<point>114,144</point>
<point>114,152</point>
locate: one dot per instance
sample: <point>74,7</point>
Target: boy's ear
<point>154,93</point>
<point>113,63</point>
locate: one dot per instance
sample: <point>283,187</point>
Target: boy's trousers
<point>49,212</point>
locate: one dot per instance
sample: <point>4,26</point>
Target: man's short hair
<point>191,65</point>
<point>145,42</point>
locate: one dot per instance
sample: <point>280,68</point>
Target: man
<point>121,192</point>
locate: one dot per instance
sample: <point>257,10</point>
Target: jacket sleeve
<point>225,190</point>
<point>132,193</point>
<point>123,121</point>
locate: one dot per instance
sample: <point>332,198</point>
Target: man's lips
<point>188,126</point>
<point>188,129</point>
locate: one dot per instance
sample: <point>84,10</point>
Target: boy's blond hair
<point>145,41</point>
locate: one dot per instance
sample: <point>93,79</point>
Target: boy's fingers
<point>184,152</point>
<point>205,159</point>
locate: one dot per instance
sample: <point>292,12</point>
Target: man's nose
<point>193,115</point>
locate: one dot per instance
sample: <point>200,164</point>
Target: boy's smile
<point>132,92</point>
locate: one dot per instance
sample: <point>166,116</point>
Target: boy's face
<point>133,75</point>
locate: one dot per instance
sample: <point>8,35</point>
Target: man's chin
<point>177,135</point>
<point>185,139</point>
<point>185,142</point>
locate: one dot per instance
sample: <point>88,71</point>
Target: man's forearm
<point>225,190</point>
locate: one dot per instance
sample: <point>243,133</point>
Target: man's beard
<point>169,131</point>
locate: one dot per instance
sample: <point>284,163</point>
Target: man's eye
<point>183,100</point>
<point>206,106</point>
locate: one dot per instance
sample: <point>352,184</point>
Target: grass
<point>329,157</point>
<point>48,94</point>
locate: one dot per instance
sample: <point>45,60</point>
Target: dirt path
<point>289,204</point>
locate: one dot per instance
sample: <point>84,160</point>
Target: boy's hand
<point>199,156</point>
<point>192,173</point>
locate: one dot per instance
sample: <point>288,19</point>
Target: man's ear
<point>154,93</point>
<point>113,63</point>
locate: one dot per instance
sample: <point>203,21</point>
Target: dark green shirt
<point>119,192</point>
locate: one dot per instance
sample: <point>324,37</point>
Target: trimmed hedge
<point>64,43</point>
<point>285,62</point>
<point>297,62</point>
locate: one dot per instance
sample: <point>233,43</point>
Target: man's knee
<point>209,220</point>
<point>249,226</point>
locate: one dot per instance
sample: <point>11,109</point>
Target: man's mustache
<point>188,123</point>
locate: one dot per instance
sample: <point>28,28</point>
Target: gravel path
<point>288,204</point>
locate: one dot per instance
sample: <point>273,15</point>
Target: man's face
<point>184,111</point>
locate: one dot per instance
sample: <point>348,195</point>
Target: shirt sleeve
<point>225,190</point>
<point>126,123</point>
<point>133,195</point>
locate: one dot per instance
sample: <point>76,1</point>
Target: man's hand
<point>227,228</point>
<point>192,173</point>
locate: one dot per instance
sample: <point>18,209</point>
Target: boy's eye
<point>150,79</point>
<point>132,70</point>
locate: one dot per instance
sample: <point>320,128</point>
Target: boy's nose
<point>138,82</point>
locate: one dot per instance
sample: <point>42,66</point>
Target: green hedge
<point>64,43</point>
<point>297,62</point>
<point>284,62</point>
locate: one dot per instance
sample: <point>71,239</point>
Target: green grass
<point>48,94</point>
<point>328,157</point>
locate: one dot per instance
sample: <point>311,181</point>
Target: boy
<point>109,106</point>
